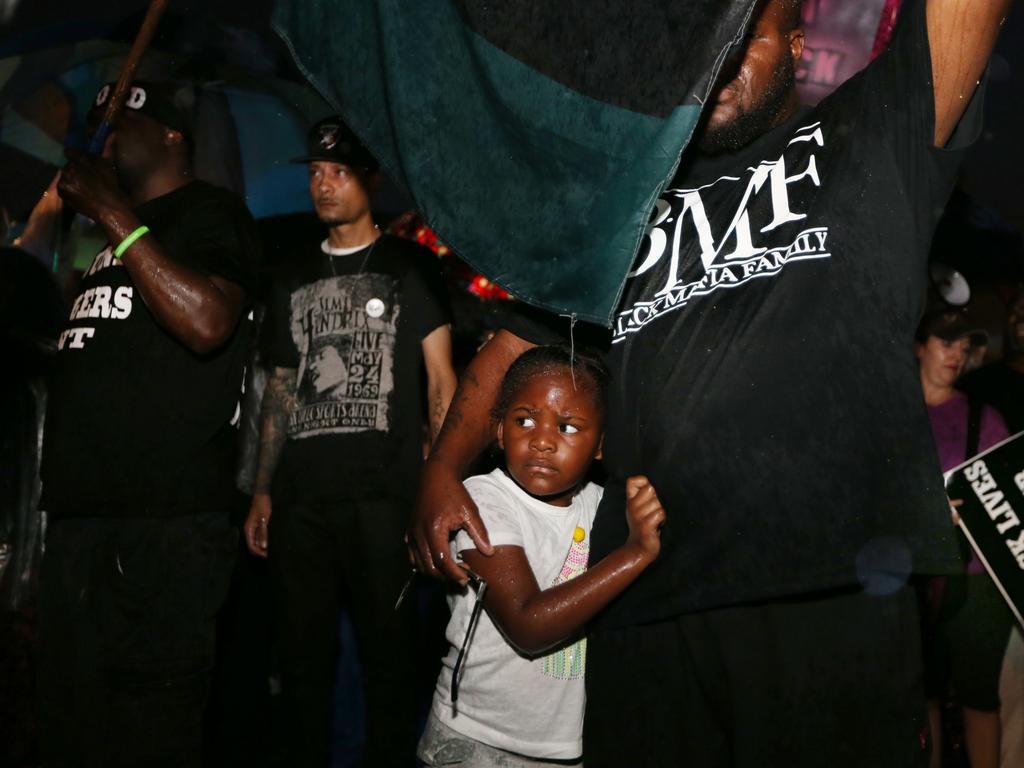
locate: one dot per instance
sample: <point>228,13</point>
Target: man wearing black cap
<point>139,447</point>
<point>346,331</point>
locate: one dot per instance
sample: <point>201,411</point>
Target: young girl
<point>510,691</point>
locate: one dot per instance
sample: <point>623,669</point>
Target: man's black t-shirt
<point>762,366</point>
<point>352,325</point>
<point>137,424</point>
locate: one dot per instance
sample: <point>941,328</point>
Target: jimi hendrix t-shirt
<point>351,324</point>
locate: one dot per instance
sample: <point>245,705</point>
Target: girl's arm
<point>532,619</point>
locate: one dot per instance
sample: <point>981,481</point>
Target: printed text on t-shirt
<point>740,254</point>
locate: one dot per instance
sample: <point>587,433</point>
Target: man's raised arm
<point>443,506</point>
<point>201,311</point>
<point>961,35</point>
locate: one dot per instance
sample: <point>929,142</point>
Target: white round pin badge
<point>375,308</point>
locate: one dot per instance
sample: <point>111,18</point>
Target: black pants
<point>127,611</point>
<point>320,555</point>
<point>832,681</point>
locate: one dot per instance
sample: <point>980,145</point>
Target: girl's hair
<point>586,368</point>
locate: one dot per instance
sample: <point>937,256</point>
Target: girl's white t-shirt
<point>532,706</point>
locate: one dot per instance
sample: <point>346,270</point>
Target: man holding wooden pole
<point>139,447</point>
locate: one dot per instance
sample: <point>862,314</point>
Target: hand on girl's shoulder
<point>645,516</point>
<point>496,504</point>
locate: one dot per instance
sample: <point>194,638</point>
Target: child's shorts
<point>441,746</point>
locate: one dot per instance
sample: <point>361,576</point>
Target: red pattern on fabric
<point>886,24</point>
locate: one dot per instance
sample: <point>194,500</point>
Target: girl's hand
<point>645,516</point>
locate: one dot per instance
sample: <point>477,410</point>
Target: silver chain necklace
<point>375,307</point>
<point>366,258</point>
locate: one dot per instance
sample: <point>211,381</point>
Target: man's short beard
<point>330,223</point>
<point>755,122</point>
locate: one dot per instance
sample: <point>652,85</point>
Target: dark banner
<point>991,486</point>
<point>534,137</point>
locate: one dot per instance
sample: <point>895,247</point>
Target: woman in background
<point>968,624</point>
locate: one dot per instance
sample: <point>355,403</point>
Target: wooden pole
<point>128,70</point>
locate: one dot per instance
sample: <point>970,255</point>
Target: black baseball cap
<point>951,324</point>
<point>332,141</point>
<point>168,103</point>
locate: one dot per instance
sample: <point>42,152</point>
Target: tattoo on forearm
<point>454,418</point>
<point>278,404</point>
<point>437,415</point>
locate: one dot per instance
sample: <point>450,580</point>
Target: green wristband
<point>129,241</point>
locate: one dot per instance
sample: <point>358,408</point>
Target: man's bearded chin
<point>332,222</point>
<point>750,124</point>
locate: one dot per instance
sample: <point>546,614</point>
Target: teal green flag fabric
<point>534,137</point>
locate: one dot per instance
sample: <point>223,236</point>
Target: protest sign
<point>991,486</point>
